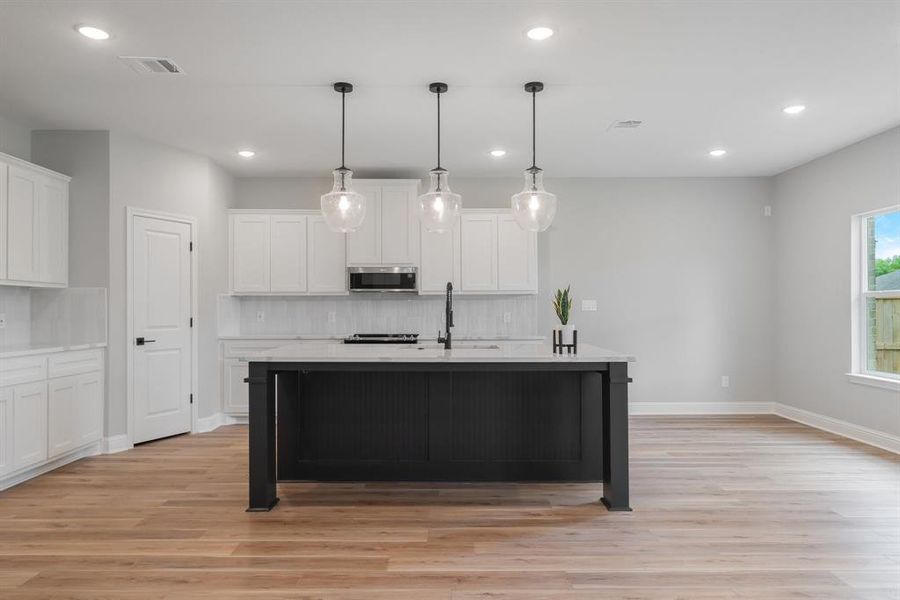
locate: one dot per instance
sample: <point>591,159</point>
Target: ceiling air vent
<point>629,124</point>
<point>151,64</point>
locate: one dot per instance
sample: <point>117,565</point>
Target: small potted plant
<point>562,304</point>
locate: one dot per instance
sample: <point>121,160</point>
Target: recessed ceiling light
<point>93,33</point>
<point>794,109</point>
<point>718,152</point>
<point>539,33</point>
<point>498,153</point>
<point>246,153</point>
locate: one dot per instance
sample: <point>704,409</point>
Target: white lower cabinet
<point>29,424</point>
<point>50,406</point>
<point>6,431</point>
<point>236,391</point>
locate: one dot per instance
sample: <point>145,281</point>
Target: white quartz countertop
<point>12,351</point>
<point>340,338</point>
<point>462,352</point>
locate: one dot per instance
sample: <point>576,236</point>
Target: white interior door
<point>161,314</point>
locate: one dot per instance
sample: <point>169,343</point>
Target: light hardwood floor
<point>724,507</point>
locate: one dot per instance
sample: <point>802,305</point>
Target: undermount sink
<point>455,347</point>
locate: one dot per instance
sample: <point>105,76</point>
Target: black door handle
<point>141,341</point>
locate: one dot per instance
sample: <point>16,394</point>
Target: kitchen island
<point>502,411</point>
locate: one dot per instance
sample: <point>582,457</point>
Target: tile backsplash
<point>37,317</point>
<point>474,316</point>
<point>15,307</point>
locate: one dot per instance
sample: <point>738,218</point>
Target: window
<point>876,290</point>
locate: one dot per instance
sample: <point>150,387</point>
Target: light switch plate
<point>588,305</point>
<point>260,316</point>
<point>507,317</point>
<point>726,381</point>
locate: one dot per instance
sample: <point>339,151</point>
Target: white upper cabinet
<point>516,256</point>
<point>440,261</point>
<point>288,253</point>
<point>478,240</point>
<point>34,225</point>
<point>326,251</point>
<point>399,224</point>
<point>364,244</point>
<point>249,252</point>
<point>390,232</point>
<point>496,255</point>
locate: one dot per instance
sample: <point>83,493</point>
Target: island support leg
<point>262,438</point>
<point>615,437</point>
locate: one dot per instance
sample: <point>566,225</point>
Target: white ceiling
<point>258,74</point>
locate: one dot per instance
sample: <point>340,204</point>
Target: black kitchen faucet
<point>448,319</point>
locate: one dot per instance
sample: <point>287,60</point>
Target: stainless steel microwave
<point>382,279</point>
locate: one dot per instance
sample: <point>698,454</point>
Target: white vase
<point>567,331</point>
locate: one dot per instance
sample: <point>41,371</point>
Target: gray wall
<point>151,176</point>
<point>814,205</point>
<point>84,156</point>
<point>15,138</point>
<point>682,271</point>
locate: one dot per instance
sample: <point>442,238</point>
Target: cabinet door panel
<point>6,430</point>
<point>89,405</point>
<point>23,228</point>
<point>29,424</point>
<point>62,415</point>
<point>439,261</point>
<point>478,241</point>
<point>516,256</point>
<point>327,258</point>
<point>249,248</point>
<point>399,225</point>
<point>236,391</point>
<point>364,244</point>
<point>288,253</point>
<point>54,234</point>
<point>4,187</point>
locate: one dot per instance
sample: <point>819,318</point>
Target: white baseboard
<point>700,408</point>
<point>25,475</point>
<point>116,443</point>
<point>213,422</point>
<point>865,435</point>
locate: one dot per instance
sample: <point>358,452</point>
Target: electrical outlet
<point>507,317</point>
<point>726,381</point>
<point>589,305</point>
<point>767,211</point>
<point>2,320</point>
<point>260,316</point>
<point>332,316</point>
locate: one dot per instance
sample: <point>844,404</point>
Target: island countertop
<point>462,352</point>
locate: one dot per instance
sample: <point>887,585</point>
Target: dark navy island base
<point>439,421</point>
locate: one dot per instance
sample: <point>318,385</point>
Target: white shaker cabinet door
<point>439,261</point>
<point>62,415</point>
<point>6,430</point>
<point>287,253</point>
<point>236,391</point>
<point>29,424</point>
<point>89,402</point>
<point>327,258</point>
<point>478,250</point>
<point>23,225</point>
<point>516,256</point>
<point>249,252</point>
<point>4,188</point>
<point>53,211</point>
<point>399,225</point>
<point>364,244</point>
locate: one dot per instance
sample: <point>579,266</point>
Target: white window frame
<point>859,294</point>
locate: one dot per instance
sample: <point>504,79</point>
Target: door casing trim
<point>130,213</point>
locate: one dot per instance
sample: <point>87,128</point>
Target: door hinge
<point>192,398</point>
<point>192,321</point>
<point>190,246</point>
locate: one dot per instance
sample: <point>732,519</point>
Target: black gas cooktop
<point>382,338</point>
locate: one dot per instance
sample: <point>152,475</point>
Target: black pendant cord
<point>438,130</point>
<point>343,126</point>
<point>533,129</point>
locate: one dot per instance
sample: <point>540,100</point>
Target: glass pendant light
<point>534,207</point>
<point>439,207</point>
<point>343,208</point>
